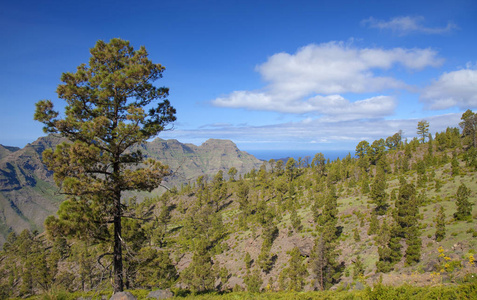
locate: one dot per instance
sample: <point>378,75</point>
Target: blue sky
<point>288,75</point>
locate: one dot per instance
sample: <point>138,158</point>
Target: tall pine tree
<point>464,206</point>
<point>105,117</point>
<point>324,258</point>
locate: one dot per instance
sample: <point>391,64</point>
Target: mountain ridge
<point>28,193</point>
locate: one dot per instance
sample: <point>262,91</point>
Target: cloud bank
<point>457,88</point>
<point>313,79</point>
<point>313,133</point>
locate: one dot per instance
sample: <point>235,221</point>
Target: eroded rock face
<point>190,161</point>
<point>160,294</point>
<point>123,296</point>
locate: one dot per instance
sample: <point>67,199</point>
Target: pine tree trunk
<point>117,256</point>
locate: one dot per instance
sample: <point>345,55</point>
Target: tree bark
<point>117,257</point>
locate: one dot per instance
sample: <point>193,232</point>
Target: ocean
<point>279,154</point>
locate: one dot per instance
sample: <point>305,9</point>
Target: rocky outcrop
<point>160,294</point>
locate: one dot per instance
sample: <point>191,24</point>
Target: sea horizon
<point>296,154</point>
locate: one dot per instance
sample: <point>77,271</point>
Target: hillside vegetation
<point>395,213</point>
<point>28,193</point>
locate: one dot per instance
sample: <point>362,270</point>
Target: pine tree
<point>199,275</point>
<point>295,221</point>
<point>471,158</point>
<point>266,259</point>
<point>358,268</point>
<point>383,233</point>
<point>26,288</point>
<point>469,127</point>
<point>464,206</point>
<point>440,225</point>
<point>390,253</point>
<point>378,148</point>
<point>223,275</point>
<point>455,165</point>
<point>430,152</point>
<point>378,192</point>
<point>248,260</point>
<point>414,246</point>
<point>278,170</point>
<point>364,182</point>
<point>373,224</point>
<point>202,192</point>
<point>363,151</point>
<point>263,176</point>
<point>290,169</point>
<point>295,273</point>
<point>86,259</point>
<point>406,226</point>
<point>423,130</point>
<point>161,222</point>
<point>318,262</point>
<point>243,197</point>
<point>219,189</point>
<point>318,164</point>
<point>105,119</point>
<point>356,236</point>
<point>407,209</point>
<point>394,142</point>
<point>232,172</point>
<point>324,264</point>
<point>156,269</point>
<point>330,209</point>
<point>253,280</point>
<point>28,263</point>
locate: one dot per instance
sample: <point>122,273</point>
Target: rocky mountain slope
<point>188,161</point>
<point>28,193</point>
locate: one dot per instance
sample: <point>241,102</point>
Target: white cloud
<point>332,105</point>
<point>407,24</point>
<point>311,80</point>
<point>338,68</point>
<point>317,133</point>
<point>340,109</point>
<point>457,88</point>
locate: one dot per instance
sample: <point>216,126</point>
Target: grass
<point>466,290</point>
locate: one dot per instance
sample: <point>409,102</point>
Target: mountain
<point>188,161</point>
<point>28,193</point>
<point>7,150</point>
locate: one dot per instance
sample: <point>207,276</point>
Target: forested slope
<point>399,212</point>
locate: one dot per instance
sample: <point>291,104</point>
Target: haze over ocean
<point>278,154</point>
